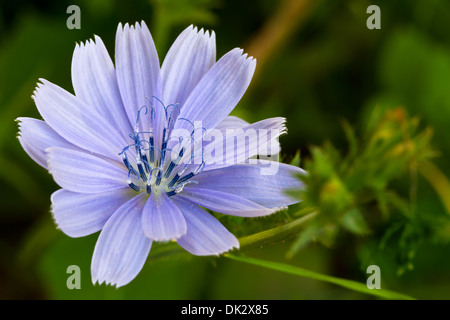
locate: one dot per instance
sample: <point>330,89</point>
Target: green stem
<point>280,233</point>
<point>349,284</point>
<point>438,181</point>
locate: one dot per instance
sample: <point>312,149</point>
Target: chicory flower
<point>129,148</point>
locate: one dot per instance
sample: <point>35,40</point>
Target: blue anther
<point>149,188</point>
<point>134,187</point>
<point>163,151</point>
<point>145,161</point>
<point>130,168</point>
<point>169,170</point>
<point>186,177</point>
<point>172,164</point>
<point>158,178</point>
<point>164,145</point>
<point>173,181</point>
<point>126,162</point>
<point>164,134</point>
<point>142,171</point>
<point>152,152</point>
<point>171,193</point>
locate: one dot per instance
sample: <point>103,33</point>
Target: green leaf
<point>296,160</point>
<point>353,221</point>
<point>303,239</point>
<point>349,284</point>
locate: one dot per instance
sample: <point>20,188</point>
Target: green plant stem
<point>280,233</point>
<point>437,180</point>
<point>349,284</point>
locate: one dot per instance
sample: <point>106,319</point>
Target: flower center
<point>166,165</point>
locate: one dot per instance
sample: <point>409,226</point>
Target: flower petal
<point>81,214</point>
<point>95,82</point>
<point>35,136</point>
<point>205,234</point>
<point>76,121</point>
<point>190,57</point>
<point>138,76</point>
<point>162,220</point>
<point>247,181</point>
<point>218,92</point>
<point>232,122</point>
<point>85,173</point>
<point>232,146</point>
<point>223,202</point>
<point>122,248</point>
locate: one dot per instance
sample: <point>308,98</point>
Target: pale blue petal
<point>139,76</point>
<point>205,234</point>
<point>232,122</point>
<point>239,144</point>
<point>247,181</point>
<point>122,248</point>
<point>94,81</point>
<point>190,57</point>
<point>218,92</point>
<point>162,220</point>
<point>223,202</point>
<point>35,136</point>
<point>81,214</point>
<point>85,173</point>
<point>77,122</point>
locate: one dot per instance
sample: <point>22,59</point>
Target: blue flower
<point>129,149</point>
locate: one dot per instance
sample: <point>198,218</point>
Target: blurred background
<point>318,64</point>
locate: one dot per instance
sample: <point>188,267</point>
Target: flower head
<point>136,149</point>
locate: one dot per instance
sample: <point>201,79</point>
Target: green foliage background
<point>318,65</point>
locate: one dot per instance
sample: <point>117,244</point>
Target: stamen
<point>147,161</point>
<point>186,177</point>
<point>139,114</point>
<point>158,178</point>
<point>130,168</point>
<point>190,122</point>
<point>152,152</point>
<point>169,169</point>
<point>179,188</point>
<point>200,167</point>
<point>171,193</point>
<point>174,164</point>
<point>142,171</point>
<point>134,187</point>
<point>173,116</point>
<point>164,146</point>
<point>126,162</point>
<point>173,181</point>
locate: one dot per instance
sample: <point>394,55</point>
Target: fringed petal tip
<point>39,86</point>
<point>136,26</point>
<point>234,246</point>
<point>245,55</point>
<point>117,285</point>
<point>122,248</point>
